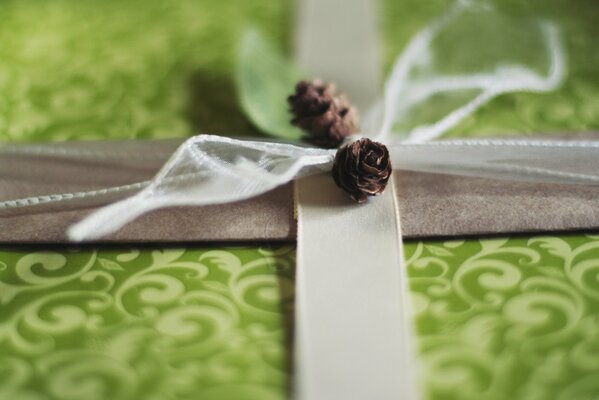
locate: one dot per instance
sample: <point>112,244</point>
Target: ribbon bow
<point>208,169</point>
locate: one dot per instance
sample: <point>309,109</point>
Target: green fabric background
<point>496,318</point>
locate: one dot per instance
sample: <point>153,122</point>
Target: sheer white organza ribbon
<point>440,76</point>
<point>210,169</point>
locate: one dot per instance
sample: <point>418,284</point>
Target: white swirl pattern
<point>155,324</point>
<point>495,319</point>
<point>510,318</point>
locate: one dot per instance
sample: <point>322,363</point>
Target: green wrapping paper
<point>494,318</point>
<point>507,317</point>
<point>208,323</point>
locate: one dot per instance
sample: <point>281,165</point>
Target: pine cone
<point>362,169</point>
<point>327,118</point>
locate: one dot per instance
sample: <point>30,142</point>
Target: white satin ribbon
<point>352,320</point>
<point>353,329</point>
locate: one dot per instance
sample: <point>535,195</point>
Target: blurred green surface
<point>573,107</point>
<point>85,69</point>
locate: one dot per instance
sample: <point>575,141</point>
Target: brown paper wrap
<point>431,205</point>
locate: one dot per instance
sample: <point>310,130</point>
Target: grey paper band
<point>33,170</point>
<point>430,204</point>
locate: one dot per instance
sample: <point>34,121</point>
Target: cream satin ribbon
<point>352,316</point>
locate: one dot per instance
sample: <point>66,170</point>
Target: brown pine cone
<point>362,169</point>
<point>327,118</point>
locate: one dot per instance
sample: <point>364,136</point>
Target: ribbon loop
<point>209,169</point>
<point>457,64</point>
<point>431,74</point>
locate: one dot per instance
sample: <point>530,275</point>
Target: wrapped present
<point>151,307</point>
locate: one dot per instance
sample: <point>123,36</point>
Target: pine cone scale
<point>327,118</point>
<point>362,169</point>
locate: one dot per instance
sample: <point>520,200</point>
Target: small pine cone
<point>362,169</point>
<point>327,118</point>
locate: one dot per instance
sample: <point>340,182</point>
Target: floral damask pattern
<point>152,324</point>
<point>507,318</point>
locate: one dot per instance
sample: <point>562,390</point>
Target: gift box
<point>199,302</point>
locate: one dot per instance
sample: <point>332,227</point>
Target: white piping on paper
<point>432,149</point>
<point>54,150</point>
